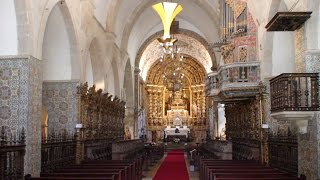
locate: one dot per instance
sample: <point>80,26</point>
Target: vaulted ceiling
<point>134,21</point>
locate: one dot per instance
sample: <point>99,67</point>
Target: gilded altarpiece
<point>185,106</point>
<point>164,107</point>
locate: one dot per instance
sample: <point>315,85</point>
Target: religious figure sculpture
<point>127,134</point>
<point>195,109</point>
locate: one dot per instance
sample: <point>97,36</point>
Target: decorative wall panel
<point>308,149</point>
<point>312,60</point>
<point>60,100</point>
<point>20,103</point>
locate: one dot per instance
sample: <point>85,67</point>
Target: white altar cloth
<point>172,131</point>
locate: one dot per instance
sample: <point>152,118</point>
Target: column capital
<point>137,70</point>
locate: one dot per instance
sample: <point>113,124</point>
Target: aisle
<point>173,167</point>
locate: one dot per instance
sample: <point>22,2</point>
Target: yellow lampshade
<point>167,12</point>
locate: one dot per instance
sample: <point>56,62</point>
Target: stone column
<point>136,101</point>
<point>20,106</point>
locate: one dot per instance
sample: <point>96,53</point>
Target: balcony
<point>231,81</point>
<point>295,97</point>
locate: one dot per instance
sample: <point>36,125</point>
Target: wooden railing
<point>126,149</point>
<point>57,151</point>
<point>295,92</point>
<point>12,151</point>
<point>218,149</point>
<point>245,149</point>
<point>283,153</point>
<point>98,149</point>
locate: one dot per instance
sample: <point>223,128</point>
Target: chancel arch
<point>175,97</point>
<point>149,50</point>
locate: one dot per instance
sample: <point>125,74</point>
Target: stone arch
<point>59,44</point>
<point>128,84</point>
<point>180,31</point>
<point>96,56</point>
<point>9,29</point>
<point>112,14</point>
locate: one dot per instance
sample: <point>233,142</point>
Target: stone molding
<point>300,118</point>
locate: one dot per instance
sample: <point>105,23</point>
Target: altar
<point>177,131</point>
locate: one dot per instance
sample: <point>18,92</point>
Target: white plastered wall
<point>283,56</point>
<point>8,30</point>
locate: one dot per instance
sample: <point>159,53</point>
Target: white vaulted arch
<point>59,45</point>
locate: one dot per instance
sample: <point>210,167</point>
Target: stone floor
<point>194,175</point>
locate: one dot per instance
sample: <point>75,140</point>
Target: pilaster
<point>20,107</point>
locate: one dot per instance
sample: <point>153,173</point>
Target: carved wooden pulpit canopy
<point>288,21</point>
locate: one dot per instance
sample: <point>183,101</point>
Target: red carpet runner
<point>173,167</point>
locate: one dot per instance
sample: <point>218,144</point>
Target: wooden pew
<point>121,171</point>
<point>115,175</point>
<point>205,163</point>
<point>109,169</point>
<point>264,178</point>
<point>130,167</point>
<point>128,175</point>
<point>237,169</point>
<point>28,177</point>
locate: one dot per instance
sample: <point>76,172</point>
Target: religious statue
<point>195,109</point>
<point>127,134</point>
<point>223,134</point>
